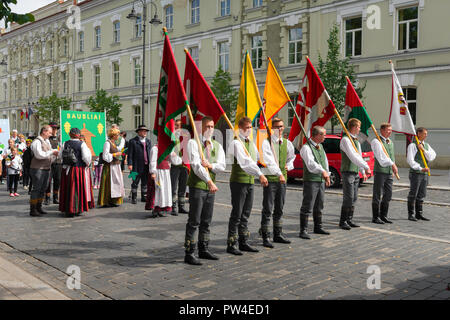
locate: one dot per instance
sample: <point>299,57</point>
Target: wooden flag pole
<point>269,133</point>
<point>382,146</point>
<point>345,128</point>
<point>422,155</point>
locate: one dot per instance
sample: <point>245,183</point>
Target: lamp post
<point>155,20</point>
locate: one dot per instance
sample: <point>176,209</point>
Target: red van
<point>331,146</point>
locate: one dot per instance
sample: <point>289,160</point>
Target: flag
<point>314,105</point>
<point>30,111</point>
<point>21,115</point>
<point>399,117</point>
<point>249,101</point>
<point>26,114</point>
<point>275,95</point>
<point>355,109</point>
<point>171,102</point>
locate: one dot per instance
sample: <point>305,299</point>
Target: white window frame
<point>65,46</point>
<point>137,72</point>
<point>224,8</point>
<point>407,22</point>
<point>114,72</point>
<point>352,31</point>
<point>97,77</point>
<point>81,41</point>
<point>116,31</point>
<point>195,57</point>
<point>258,51</point>
<point>168,17</point>
<point>296,46</point>
<point>97,37</point>
<point>137,115</point>
<point>137,28</point>
<point>225,55</point>
<point>80,79</point>
<point>50,50</point>
<point>257,3</point>
<point>64,80</point>
<point>194,11</point>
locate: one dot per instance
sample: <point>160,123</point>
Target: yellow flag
<point>275,95</point>
<point>249,101</point>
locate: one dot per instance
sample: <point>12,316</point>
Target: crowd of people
<point>76,172</point>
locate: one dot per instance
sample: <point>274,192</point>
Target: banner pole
<point>423,157</point>
<point>382,146</point>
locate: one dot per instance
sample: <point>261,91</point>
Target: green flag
<point>355,109</point>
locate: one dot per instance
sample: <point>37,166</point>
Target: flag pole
<point>269,133</point>
<point>344,127</point>
<point>382,146</point>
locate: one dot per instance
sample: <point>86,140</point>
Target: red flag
<point>314,105</point>
<point>171,101</point>
<point>21,115</point>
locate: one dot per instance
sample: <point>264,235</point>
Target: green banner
<point>91,124</point>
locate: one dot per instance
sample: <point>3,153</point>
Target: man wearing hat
<point>138,161</point>
<point>55,171</point>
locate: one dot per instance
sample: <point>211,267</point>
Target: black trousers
<point>273,200</point>
<point>178,179</point>
<point>13,181</point>
<point>55,175</point>
<point>26,176</point>
<point>242,202</point>
<point>143,179</point>
<point>201,207</point>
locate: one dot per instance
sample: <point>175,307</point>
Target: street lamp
<point>155,20</point>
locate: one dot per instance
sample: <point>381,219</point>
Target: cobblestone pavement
<point>123,254</point>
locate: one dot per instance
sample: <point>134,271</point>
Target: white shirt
<point>430,155</point>
<point>355,157</point>
<point>236,149</point>
<point>196,163</point>
<point>15,163</point>
<point>38,153</point>
<point>86,154</point>
<point>379,154</point>
<point>311,164</point>
<point>269,159</point>
<point>122,143</point>
<point>173,159</point>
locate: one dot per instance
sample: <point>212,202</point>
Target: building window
<point>5,91</point>
<point>137,71</point>
<point>116,32</point>
<point>195,11</point>
<point>353,37</point>
<point>80,80</point>
<point>64,79</point>
<point>81,41</point>
<point>408,25</point>
<point>257,52</point>
<point>224,55</point>
<point>411,100</point>
<point>98,37</point>
<point>138,27</point>
<point>50,49</point>
<point>137,116</point>
<point>257,3</point>
<point>116,82</point>
<point>38,87</point>
<point>193,51</point>
<point>169,17</point>
<point>50,84</point>
<point>224,8</point>
<point>25,82</point>
<point>15,89</point>
<point>97,77</point>
<point>66,47</point>
<point>295,45</point>
<point>38,54</point>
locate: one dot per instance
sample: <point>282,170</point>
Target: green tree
<point>333,70</point>
<point>48,108</point>
<point>9,16</point>
<point>225,93</point>
<point>102,103</point>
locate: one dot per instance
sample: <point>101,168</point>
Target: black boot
<point>39,207</point>
<point>133,197</point>
<point>318,224</point>
<point>55,198</point>
<point>376,213</point>
<point>203,252</point>
<point>33,211</point>
<point>350,218</point>
<point>244,246</point>
<point>231,247</point>
<point>266,238</point>
<point>278,235</point>
<point>304,227</point>
<point>343,221</point>
<point>143,196</point>
<point>411,211</point>
<point>189,257</point>
<point>419,211</point>
<point>181,208</point>
<point>47,199</point>
<point>384,208</point>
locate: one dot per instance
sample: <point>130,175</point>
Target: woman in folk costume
<point>75,190</point>
<point>159,186</point>
<point>111,183</point>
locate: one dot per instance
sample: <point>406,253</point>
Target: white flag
<point>400,118</point>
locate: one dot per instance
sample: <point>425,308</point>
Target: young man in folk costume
<point>275,193</point>
<point>418,174</point>
<point>383,170</point>
<point>111,183</point>
<point>352,163</point>
<point>139,161</point>
<point>76,190</point>
<point>315,177</point>
<point>243,171</point>
<point>159,188</point>
<point>202,189</point>
<point>55,171</point>
<point>178,175</point>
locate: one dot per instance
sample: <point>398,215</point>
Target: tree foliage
<point>102,103</point>
<point>333,70</point>
<point>224,92</point>
<point>9,16</point>
<point>48,108</point>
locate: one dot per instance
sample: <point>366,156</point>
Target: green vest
<point>239,175</point>
<point>194,181</point>
<point>320,157</point>
<point>390,150</point>
<point>418,158</point>
<point>346,164</point>
<point>281,155</point>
